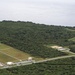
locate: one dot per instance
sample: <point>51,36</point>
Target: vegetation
<point>72,48</point>
<point>71,28</point>
<point>8,53</point>
<point>5,58</point>
<point>32,38</point>
<point>72,39</point>
<point>57,67</point>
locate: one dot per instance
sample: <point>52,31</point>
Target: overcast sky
<point>55,12</point>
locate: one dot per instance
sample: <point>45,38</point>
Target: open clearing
<point>62,49</point>
<point>72,39</point>
<point>8,54</point>
<point>70,29</point>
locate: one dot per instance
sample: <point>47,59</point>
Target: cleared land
<point>5,58</point>
<point>62,49</point>
<point>8,53</point>
<point>72,39</point>
<point>70,29</point>
<point>56,67</point>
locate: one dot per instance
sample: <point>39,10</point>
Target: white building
<point>1,64</point>
<point>9,63</point>
<point>30,59</point>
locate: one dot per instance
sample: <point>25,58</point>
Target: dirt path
<point>56,58</point>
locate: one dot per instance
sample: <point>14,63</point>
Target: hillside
<point>31,38</point>
<point>57,67</point>
<point>37,40</point>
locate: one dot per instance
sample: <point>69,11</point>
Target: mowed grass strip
<point>3,46</point>
<point>5,58</point>
<point>70,29</point>
<point>16,53</point>
<point>13,52</point>
<point>72,39</point>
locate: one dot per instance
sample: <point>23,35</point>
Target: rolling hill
<point>33,39</point>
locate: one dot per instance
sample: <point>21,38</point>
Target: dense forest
<point>57,67</point>
<point>31,38</point>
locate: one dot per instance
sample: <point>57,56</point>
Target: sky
<point>50,12</point>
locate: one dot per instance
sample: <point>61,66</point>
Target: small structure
<point>20,60</point>
<point>1,64</point>
<point>30,59</point>
<point>9,63</point>
<point>61,48</point>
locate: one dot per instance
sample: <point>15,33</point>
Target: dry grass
<point>8,53</point>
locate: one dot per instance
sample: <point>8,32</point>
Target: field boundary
<point>9,55</point>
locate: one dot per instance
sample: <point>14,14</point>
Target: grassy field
<point>8,53</point>
<point>5,58</point>
<point>72,39</point>
<point>56,67</point>
<point>70,29</point>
